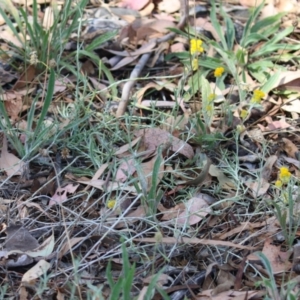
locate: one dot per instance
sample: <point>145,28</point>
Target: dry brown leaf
<point>25,79</point>
<point>286,5</point>
<point>154,137</point>
<point>267,168</point>
<point>279,260</point>
<point>146,11</point>
<point>61,194</point>
<point>172,213</point>
<point>36,272</point>
<point>134,4</point>
<point>225,282</point>
<point>206,25</point>
<point>68,245</point>
<point>123,150</point>
<point>292,105</point>
<point>247,226</point>
<point>125,169</point>
<point>286,78</point>
<point>132,217</point>
<point>290,148</point>
<point>23,294</point>
<point>274,125</point>
<point>14,106</point>
<point>9,163</point>
<point>258,188</point>
<point>141,92</point>
<point>196,209</point>
<point>10,38</point>
<point>169,6</point>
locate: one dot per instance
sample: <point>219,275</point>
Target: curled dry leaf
<point>154,137</point>
<point>290,148</point>
<point>36,272</point>
<point>267,168</point>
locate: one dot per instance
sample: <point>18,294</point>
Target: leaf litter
<point>195,174</point>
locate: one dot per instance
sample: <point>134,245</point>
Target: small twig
<point>144,58</point>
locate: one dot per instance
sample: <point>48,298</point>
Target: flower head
<point>284,174</point>
<point>196,46</point>
<point>111,203</point>
<point>240,128</point>
<point>244,114</point>
<point>195,64</point>
<point>209,109</point>
<point>219,71</point>
<point>257,96</point>
<point>211,97</point>
<point>278,183</point>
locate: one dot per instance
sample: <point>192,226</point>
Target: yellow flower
<point>244,114</point>
<point>240,128</point>
<point>111,203</point>
<point>278,183</point>
<point>284,174</point>
<point>211,97</point>
<point>196,46</point>
<point>209,109</point>
<point>195,64</point>
<point>257,96</point>
<point>219,71</point>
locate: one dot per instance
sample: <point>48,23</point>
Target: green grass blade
<point>262,25</point>
<point>47,101</point>
<point>230,31</point>
<point>215,22</point>
<point>100,40</point>
<point>247,29</point>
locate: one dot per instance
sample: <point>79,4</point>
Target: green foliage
<point>270,282</point>
<point>284,212</point>
<point>121,289</point>
<point>259,63</point>
<point>44,45</point>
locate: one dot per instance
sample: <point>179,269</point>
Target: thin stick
<point>144,58</point>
